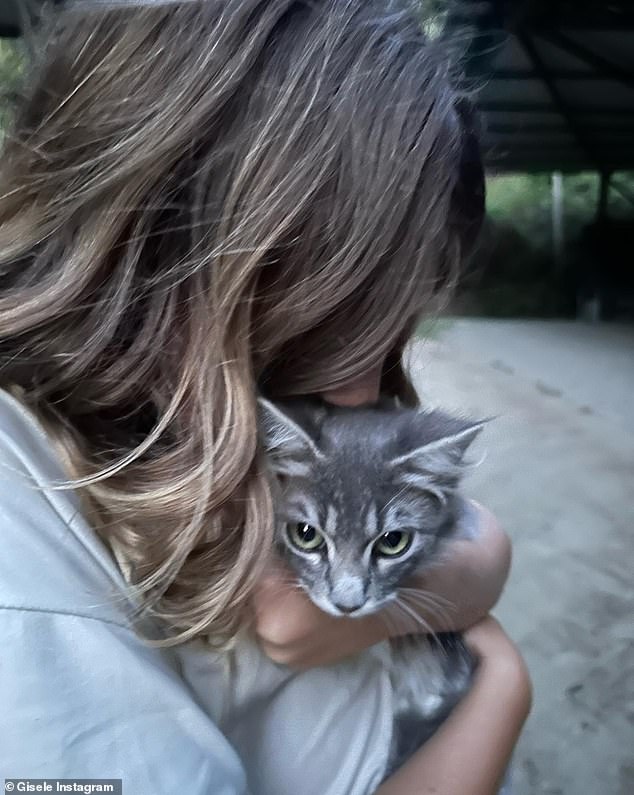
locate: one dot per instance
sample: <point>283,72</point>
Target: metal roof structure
<point>556,77</point>
<point>9,18</point>
<point>557,82</point>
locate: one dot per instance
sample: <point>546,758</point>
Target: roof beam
<point>536,168</point>
<point>593,26</point>
<point>538,127</point>
<point>9,31</point>
<point>542,107</point>
<point>562,74</point>
<point>622,191</point>
<point>532,127</point>
<point>525,165</point>
<point>583,53</point>
<point>556,95</point>
<point>594,22</point>
<point>547,146</point>
<point>580,14</point>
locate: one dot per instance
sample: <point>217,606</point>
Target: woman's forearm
<point>472,577</point>
<point>471,751</point>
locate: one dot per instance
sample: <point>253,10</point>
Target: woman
<point>202,200</point>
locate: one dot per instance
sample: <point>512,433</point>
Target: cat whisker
<point>290,584</point>
<point>439,618</point>
<point>443,608</point>
<point>388,619</point>
<point>429,604</point>
<point>430,601</point>
<point>422,592</point>
<point>429,632</point>
<point>411,613</point>
<point>399,624</point>
<point>394,498</point>
<point>434,635</point>
<point>287,580</point>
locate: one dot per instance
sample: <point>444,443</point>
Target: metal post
<point>594,307</point>
<point>604,189</point>
<point>557,182</point>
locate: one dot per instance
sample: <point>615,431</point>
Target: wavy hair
<point>203,200</point>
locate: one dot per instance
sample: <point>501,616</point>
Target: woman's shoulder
<point>50,559</point>
<point>81,692</point>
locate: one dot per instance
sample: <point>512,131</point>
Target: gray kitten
<point>366,498</point>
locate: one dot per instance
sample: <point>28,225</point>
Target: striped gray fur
<point>358,479</point>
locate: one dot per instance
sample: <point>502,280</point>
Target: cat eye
<point>305,537</point>
<point>393,544</point>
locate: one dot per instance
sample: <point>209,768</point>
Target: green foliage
<point>512,277</point>
<point>433,327</point>
<point>434,15</point>
<point>514,273</point>
<point>11,64</point>
<point>11,69</point>
<point>524,201</point>
<point>581,195</point>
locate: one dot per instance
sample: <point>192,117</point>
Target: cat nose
<point>347,608</point>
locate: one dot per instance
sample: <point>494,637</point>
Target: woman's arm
<point>293,631</point>
<point>471,751</point>
<point>473,575</point>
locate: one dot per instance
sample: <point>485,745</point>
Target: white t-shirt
<point>81,696</point>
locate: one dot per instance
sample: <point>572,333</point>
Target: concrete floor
<point>559,474</point>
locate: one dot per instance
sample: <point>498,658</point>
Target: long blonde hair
<point>200,201</point>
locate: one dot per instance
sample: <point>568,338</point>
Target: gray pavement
<point>559,474</point>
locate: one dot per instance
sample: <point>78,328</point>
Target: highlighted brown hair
<point>201,200</point>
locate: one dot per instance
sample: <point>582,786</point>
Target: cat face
<point>365,496</point>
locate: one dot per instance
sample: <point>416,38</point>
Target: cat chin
<point>326,605</point>
<point>368,608</point>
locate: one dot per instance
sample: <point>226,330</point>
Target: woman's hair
<point>200,201</point>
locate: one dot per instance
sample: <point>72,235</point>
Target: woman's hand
<point>492,646</point>
<point>293,631</point>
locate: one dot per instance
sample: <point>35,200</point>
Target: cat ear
<point>441,457</point>
<point>289,446</point>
